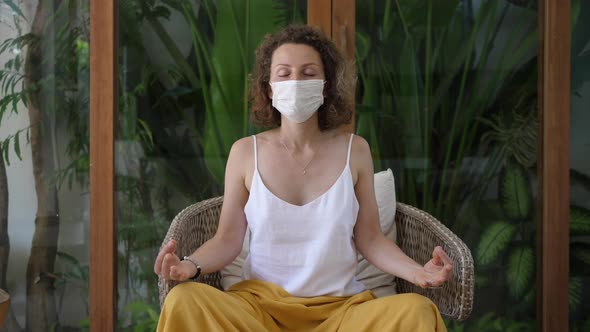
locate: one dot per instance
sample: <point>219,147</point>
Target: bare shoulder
<point>239,158</point>
<point>242,146</point>
<point>360,151</point>
<point>361,161</point>
<point>360,145</point>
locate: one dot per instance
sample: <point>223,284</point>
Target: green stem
<point>466,68</point>
<point>209,14</point>
<point>401,16</point>
<point>204,85</point>
<point>171,47</point>
<point>426,132</point>
<point>469,132</point>
<point>199,43</point>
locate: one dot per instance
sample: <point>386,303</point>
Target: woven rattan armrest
<point>417,235</point>
<point>192,227</point>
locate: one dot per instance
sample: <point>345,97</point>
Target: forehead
<point>295,54</point>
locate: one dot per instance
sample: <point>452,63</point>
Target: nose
<point>297,76</point>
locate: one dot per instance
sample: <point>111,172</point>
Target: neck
<point>300,135</point>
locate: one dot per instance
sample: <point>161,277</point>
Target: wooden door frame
<point>553,165</point>
<point>331,15</point>
<point>103,109</point>
<point>336,19</point>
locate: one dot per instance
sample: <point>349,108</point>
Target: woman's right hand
<point>169,266</point>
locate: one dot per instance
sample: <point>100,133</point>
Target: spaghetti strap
<point>255,154</point>
<point>349,148</point>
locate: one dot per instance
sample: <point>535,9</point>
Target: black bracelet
<point>188,258</point>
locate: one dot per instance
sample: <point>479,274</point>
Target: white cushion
<point>374,279</point>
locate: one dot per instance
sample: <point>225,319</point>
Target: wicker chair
<point>417,233</point>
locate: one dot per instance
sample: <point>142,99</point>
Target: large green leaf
<point>494,240</point>
<point>515,192</point>
<point>579,220</point>
<point>239,27</point>
<point>414,13</point>
<point>520,270</point>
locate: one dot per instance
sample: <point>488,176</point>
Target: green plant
<point>143,318</point>
<point>424,81</point>
<point>46,75</point>
<point>75,276</point>
<point>490,322</point>
<point>507,243</point>
<point>177,122</point>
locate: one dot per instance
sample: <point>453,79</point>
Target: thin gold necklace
<point>304,168</point>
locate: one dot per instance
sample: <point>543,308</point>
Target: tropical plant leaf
<point>493,241</point>
<point>575,291</point>
<point>520,270</point>
<point>579,220</point>
<point>5,147</point>
<point>515,192</point>
<point>14,8</point>
<point>17,145</point>
<point>239,27</point>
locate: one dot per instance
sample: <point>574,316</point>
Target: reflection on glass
<point>44,163</point>
<point>580,169</point>
<point>184,75</point>
<point>447,98</point>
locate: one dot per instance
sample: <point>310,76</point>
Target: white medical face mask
<point>298,100</point>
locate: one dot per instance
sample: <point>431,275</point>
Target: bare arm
<point>226,245</point>
<point>376,247</point>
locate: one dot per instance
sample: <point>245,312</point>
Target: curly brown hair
<point>338,103</point>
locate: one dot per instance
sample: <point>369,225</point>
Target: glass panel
<point>44,89</point>
<point>580,169</point>
<point>447,98</point>
<point>184,67</point>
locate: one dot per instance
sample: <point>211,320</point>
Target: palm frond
<point>515,192</point>
<point>494,240</point>
<point>520,270</point>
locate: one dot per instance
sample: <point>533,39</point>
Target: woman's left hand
<point>436,272</point>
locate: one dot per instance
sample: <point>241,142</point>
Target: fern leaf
<point>579,220</point>
<point>494,240</point>
<point>520,271</point>
<point>515,192</point>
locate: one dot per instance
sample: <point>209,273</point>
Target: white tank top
<point>308,250</point>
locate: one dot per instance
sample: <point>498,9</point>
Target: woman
<point>305,190</point>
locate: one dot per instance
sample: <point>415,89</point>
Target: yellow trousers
<point>259,306</point>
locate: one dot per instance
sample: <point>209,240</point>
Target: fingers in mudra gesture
<point>169,266</point>
<point>436,271</point>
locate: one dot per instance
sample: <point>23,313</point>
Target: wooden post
<point>553,166</point>
<point>103,108</point>
<point>319,14</point>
